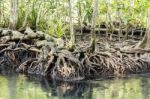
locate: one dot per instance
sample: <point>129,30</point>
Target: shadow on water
<point>14,86</point>
<point>66,90</point>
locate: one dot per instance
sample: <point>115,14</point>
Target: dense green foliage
<point>52,15</point>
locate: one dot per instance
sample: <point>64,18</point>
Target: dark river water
<point>23,87</point>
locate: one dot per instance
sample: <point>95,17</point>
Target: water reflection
<point>31,87</point>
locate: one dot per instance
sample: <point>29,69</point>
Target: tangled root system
<point>27,57</point>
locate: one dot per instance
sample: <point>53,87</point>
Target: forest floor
<point>38,53</point>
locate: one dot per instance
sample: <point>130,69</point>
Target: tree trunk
<point>0,13</point>
<point>145,43</point>
<point>27,11</point>
<point>93,35</point>
<point>119,20</point>
<point>80,18</point>
<point>13,13</point>
<point>72,35</point>
<point>108,20</point>
<point>132,13</point>
<point>3,16</point>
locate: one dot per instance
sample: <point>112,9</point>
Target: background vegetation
<point>52,16</point>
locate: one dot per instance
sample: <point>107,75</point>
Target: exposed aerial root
<point>65,65</point>
<point>68,67</point>
<point>48,58</point>
<point>110,64</point>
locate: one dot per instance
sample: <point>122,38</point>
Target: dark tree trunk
<point>93,35</point>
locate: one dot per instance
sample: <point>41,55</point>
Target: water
<point>23,87</point>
